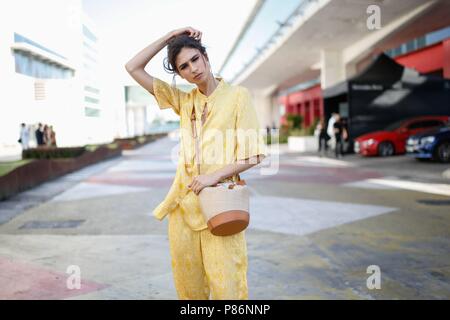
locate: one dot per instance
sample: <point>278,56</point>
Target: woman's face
<point>192,65</point>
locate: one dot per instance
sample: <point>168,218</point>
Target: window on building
<point>89,47</point>
<point>89,34</point>
<point>410,46</point>
<point>91,100</point>
<point>88,57</point>
<point>420,42</point>
<point>37,68</point>
<point>91,89</point>
<point>91,112</point>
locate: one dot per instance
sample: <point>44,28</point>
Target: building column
<point>263,106</point>
<point>276,113</point>
<point>332,68</point>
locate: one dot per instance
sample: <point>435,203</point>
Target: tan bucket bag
<point>225,206</point>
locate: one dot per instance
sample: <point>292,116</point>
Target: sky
<point>127,26</point>
<point>263,27</point>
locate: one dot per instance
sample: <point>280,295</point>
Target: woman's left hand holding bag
<point>203,181</point>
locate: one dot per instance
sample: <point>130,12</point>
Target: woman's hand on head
<point>203,181</point>
<point>194,33</point>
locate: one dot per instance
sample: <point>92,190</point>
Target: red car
<point>393,138</point>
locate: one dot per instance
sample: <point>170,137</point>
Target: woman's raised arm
<point>135,67</point>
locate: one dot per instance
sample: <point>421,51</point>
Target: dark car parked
<point>433,144</point>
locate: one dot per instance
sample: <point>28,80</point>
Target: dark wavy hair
<point>174,48</point>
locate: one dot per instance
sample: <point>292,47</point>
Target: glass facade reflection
<point>420,42</point>
<point>90,63</point>
<point>34,67</point>
<point>89,34</point>
<point>91,112</point>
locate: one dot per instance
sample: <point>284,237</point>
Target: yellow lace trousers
<point>207,266</point>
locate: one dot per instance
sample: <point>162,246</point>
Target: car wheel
<point>443,152</point>
<point>385,149</point>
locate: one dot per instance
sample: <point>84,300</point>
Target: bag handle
<point>197,138</point>
<point>195,134</point>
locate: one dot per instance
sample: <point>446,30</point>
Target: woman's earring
<point>210,70</point>
<point>174,82</point>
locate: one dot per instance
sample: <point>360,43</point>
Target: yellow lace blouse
<point>230,132</point>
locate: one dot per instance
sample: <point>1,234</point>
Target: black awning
<point>336,90</point>
<point>383,70</point>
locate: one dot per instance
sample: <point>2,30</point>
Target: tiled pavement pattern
<point>315,228</point>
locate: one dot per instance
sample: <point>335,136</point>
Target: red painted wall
<point>308,103</point>
<point>446,48</point>
<point>429,59</point>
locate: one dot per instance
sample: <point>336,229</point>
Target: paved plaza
<point>316,226</point>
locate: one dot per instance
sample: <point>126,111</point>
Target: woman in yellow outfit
<point>203,265</point>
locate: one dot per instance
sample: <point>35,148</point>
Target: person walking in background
<point>24,138</point>
<point>321,134</point>
<point>345,136</point>
<point>47,137</point>
<point>52,137</point>
<point>268,134</point>
<point>39,136</point>
<point>339,136</point>
<point>268,131</point>
<point>330,129</point>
